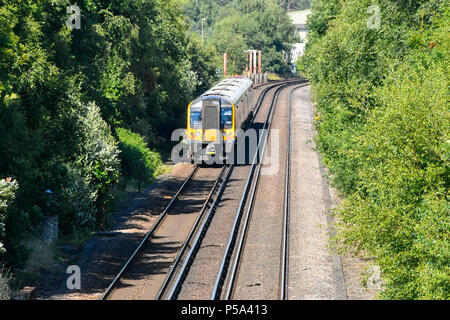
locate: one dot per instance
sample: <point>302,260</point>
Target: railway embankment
<point>104,255</point>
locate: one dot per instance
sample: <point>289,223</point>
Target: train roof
<point>231,88</point>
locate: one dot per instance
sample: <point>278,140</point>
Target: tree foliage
<point>133,64</point>
<point>383,123</point>
<point>233,26</point>
<point>8,188</point>
<point>292,5</point>
<point>138,161</point>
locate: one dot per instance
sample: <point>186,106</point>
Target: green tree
<point>8,187</point>
<point>382,117</point>
<point>98,158</point>
<point>236,26</point>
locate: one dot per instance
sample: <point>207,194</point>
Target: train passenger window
<point>196,118</point>
<point>226,118</point>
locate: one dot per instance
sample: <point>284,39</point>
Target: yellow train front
<point>214,118</point>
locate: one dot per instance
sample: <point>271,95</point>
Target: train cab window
<point>196,117</point>
<point>226,116</point>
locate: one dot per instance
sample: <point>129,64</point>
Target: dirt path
<point>316,272</point>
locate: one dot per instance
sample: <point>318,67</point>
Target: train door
<point>211,119</point>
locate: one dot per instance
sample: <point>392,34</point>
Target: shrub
<point>78,199</point>
<point>400,211</point>
<point>98,158</point>
<point>8,187</point>
<point>138,161</point>
<point>383,126</point>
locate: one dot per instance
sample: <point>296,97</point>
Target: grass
<point>274,77</point>
<point>5,290</point>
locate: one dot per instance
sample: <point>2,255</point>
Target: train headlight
<point>197,134</point>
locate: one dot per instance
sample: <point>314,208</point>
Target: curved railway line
<point>203,187</point>
<point>226,278</point>
<point>226,262</point>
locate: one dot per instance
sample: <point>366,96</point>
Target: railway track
<point>202,181</point>
<point>171,291</point>
<point>168,285</point>
<point>227,275</point>
<point>172,285</point>
<point>284,267</point>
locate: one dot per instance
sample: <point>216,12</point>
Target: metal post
<point>254,61</point>
<point>246,65</point>
<point>225,69</point>
<point>259,62</point>
<point>250,62</point>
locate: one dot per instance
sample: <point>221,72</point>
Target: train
<point>214,118</point>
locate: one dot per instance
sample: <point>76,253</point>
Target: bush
<point>99,160</point>
<point>8,187</point>
<point>78,201</point>
<point>400,211</point>
<point>138,161</point>
<point>382,101</point>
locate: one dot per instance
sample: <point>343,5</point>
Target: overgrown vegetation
<point>84,109</point>
<point>63,93</point>
<point>139,163</point>
<point>8,188</point>
<point>5,290</point>
<point>381,94</point>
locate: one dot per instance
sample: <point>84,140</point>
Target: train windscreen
<point>226,116</point>
<point>196,117</point>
